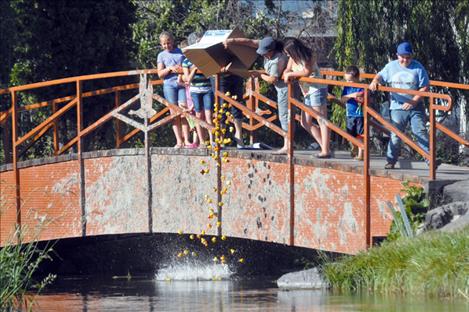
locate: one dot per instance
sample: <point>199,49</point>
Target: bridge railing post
<point>16,173</point>
<point>291,165</point>
<point>81,164</point>
<point>366,168</point>
<point>250,104</point>
<point>117,122</point>
<point>432,140</point>
<point>55,131</point>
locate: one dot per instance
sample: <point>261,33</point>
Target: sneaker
<point>322,156</point>
<point>389,166</point>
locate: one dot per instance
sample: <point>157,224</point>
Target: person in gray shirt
<point>275,62</point>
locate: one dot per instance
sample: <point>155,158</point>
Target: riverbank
<point>433,264</point>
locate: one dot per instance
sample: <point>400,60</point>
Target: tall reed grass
<point>18,264</point>
<point>19,261</point>
<point>432,264</point>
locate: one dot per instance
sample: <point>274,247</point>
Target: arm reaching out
<point>241,41</point>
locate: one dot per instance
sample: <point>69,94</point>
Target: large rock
<point>457,224</point>
<point>307,279</point>
<point>445,215</point>
<point>457,192</point>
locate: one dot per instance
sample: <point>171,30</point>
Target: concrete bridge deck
<point>417,171</point>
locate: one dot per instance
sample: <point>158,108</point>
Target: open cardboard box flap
<point>209,54</point>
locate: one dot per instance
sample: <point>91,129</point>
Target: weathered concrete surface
<point>306,279</point>
<point>116,195</point>
<point>256,206</point>
<point>178,194</point>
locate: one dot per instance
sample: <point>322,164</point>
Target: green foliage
<point>182,17</point>
<point>369,31</point>
<point>415,201</point>
<point>433,264</point>
<point>18,264</point>
<point>56,39</point>
<point>416,204</point>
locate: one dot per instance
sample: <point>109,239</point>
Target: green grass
<point>18,263</point>
<point>433,264</point>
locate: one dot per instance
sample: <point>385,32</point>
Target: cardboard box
<point>210,55</point>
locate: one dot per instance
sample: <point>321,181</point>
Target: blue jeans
<point>400,119</point>
<point>202,101</point>
<point>282,102</point>
<point>174,95</point>
<point>316,98</point>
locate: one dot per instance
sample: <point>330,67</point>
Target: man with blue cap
<point>404,73</point>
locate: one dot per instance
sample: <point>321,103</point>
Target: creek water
<point>196,287</point>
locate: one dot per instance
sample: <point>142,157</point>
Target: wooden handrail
<point>435,83</point>
<point>254,93</point>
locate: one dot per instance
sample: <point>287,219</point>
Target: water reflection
<point>194,296</point>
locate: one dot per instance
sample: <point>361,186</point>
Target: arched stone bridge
<point>334,205</point>
<point>329,210</point>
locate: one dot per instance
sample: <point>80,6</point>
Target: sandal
<point>191,145</point>
<point>177,146</point>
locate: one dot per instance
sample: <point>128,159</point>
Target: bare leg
<point>238,123</point>
<point>208,119</point>
<point>313,130</point>
<point>199,129</point>
<point>185,131</point>
<point>325,132</point>
<point>177,130</point>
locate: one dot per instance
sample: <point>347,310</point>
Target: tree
<point>369,31</point>
<point>182,17</point>
<point>47,40</point>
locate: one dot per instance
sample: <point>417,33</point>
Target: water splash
<point>194,271</point>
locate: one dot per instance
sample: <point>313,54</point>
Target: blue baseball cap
<point>405,48</point>
<point>265,45</point>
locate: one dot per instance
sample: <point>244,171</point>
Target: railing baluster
<point>366,169</point>
<point>291,165</point>
<point>82,198</point>
<point>16,173</point>
<point>117,122</point>
<point>251,86</point>
<point>432,138</point>
<point>55,131</point>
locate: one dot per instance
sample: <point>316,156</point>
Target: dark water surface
<point>85,294</point>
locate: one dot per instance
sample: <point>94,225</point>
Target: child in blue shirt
<point>353,99</point>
